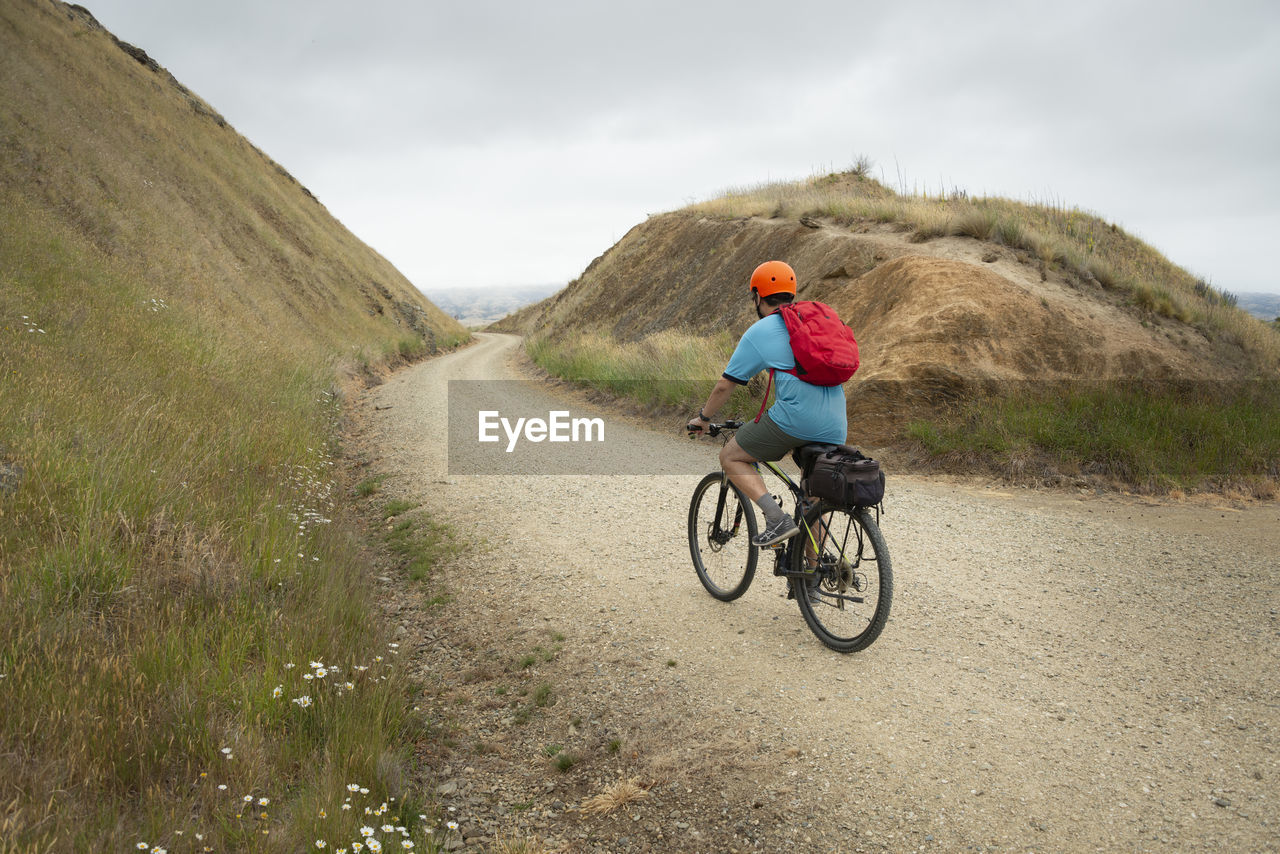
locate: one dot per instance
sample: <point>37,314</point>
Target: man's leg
<point>737,463</point>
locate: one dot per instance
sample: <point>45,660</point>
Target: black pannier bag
<point>844,475</point>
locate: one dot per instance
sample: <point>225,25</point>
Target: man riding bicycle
<point>801,412</point>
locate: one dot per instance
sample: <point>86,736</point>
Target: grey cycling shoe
<point>776,532</point>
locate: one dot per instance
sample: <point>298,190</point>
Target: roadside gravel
<point>1060,672</point>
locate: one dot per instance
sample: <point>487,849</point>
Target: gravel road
<point>1060,672</point>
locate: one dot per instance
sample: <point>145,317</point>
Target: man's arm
<point>745,362</point>
<point>719,394</point>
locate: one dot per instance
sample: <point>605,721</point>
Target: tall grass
<point>173,561</point>
<point>669,370</point>
<point>1154,436</point>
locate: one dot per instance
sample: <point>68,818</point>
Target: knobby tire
<point>836,619</point>
<point>724,557</point>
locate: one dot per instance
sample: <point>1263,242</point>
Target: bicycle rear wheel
<point>721,525</point>
<point>847,597</point>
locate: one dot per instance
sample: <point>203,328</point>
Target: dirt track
<point>1060,673</point>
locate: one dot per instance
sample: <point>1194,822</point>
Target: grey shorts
<point>764,440</point>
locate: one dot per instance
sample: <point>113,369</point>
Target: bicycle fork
<point>719,534</point>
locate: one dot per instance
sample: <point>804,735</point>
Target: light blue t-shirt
<point>811,412</point>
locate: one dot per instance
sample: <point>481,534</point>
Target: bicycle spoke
<point>849,602</point>
<point>719,541</point>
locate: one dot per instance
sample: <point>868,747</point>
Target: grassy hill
<point>178,320</point>
<point>956,303</point>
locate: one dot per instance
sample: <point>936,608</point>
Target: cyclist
<point>801,412</point>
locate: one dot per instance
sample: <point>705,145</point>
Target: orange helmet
<point>773,277</point>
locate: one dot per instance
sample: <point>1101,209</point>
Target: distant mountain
<point>477,307</point>
<point>1262,306</point>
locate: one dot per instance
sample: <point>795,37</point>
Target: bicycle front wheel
<point>721,525</point>
<point>848,587</point>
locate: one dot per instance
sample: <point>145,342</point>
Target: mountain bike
<point>837,568</point>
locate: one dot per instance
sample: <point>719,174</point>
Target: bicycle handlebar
<point>715,429</point>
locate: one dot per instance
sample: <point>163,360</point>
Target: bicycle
<point>837,568</point>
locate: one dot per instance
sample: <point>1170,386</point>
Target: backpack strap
<point>764,402</point>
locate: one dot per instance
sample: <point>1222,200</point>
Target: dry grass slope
<point>185,614</point>
<point>113,146</point>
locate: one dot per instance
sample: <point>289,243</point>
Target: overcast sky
<point>500,143</point>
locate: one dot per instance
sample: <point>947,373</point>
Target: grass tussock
<point>615,797</point>
<point>517,845</point>
<point>1155,437</point>
<point>186,639</point>
<point>1074,243</point>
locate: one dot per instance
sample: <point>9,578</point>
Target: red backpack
<point>825,351</point>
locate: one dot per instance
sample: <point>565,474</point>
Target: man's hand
<point>719,395</point>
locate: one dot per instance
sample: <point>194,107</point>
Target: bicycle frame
<point>782,549</point>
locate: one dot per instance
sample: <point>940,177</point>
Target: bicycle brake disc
<point>715,542</point>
